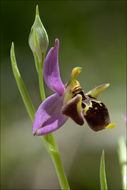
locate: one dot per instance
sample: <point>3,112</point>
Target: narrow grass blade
<point>103,181</point>
<point>25,96</point>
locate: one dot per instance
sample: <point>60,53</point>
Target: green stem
<point>52,149</point>
<point>39,67</point>
<point>59,170</point>
<point>41,85</point>
<point>122,152</point>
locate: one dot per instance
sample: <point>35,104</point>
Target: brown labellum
<point>97,116</point>
<point>71,109</point>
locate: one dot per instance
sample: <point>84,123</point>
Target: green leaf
<point>103,181</point>
<point>25,96</point>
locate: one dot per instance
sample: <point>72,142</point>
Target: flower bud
<point>38,38</point>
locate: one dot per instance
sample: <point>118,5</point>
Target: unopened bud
<point>38,38</point>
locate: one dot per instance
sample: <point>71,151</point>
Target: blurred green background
<point>92,35</point>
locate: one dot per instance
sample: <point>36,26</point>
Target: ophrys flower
<point>69,100</point>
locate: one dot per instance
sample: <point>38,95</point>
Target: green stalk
<point>55,156</point>
<point>39,67</point>
<point>122,152</point>
<point>60,171</point>
<point>48,140</point>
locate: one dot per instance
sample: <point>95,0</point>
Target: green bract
<point>38,38</point>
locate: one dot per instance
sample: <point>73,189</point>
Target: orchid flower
<point>69,100</point>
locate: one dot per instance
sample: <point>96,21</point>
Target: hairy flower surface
<point>68,101</point>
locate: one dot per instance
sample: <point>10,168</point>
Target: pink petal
<point>48,117</point>
<point>51,70</point>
